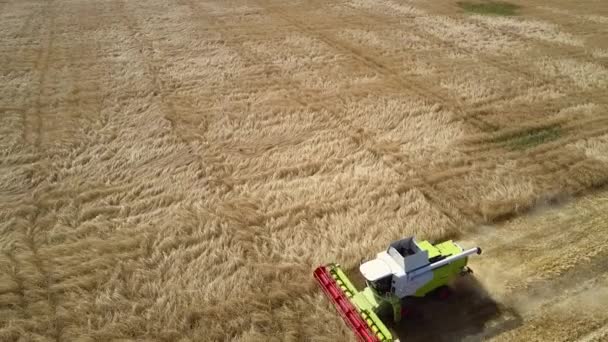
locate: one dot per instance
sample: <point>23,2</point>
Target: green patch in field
<point>489,8</point>
<point>529,138</point>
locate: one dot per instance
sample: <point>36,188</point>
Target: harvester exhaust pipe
<point>445,261</point>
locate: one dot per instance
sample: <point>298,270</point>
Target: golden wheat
<point>174,170</point>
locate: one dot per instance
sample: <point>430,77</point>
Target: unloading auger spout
<point>445,261</point>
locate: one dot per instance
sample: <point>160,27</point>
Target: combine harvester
<point>406,269</point>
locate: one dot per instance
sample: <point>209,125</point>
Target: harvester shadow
<point>468,314</point>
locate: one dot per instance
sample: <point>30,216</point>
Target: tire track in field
<point>33,131</point>
<point>76,111</point>
<point>31,271</point>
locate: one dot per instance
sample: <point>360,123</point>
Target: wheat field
<point>173,170</point>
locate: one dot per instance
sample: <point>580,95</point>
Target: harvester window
<point>382,285</point>
<point>405,251</point>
